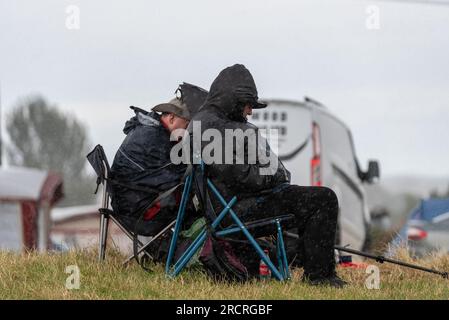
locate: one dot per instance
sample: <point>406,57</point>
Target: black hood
<point>231,89</point>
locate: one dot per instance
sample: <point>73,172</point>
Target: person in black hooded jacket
<point>142,168</point>
<point>231,98</point>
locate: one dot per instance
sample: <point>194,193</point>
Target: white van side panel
<point>294,127</point>
<point>340,174</point>
<point>294,122</point>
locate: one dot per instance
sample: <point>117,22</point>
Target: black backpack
<point>220,261</point>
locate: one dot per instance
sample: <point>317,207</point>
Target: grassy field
<point>42,276</point>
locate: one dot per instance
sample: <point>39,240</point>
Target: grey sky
<point>391,86</point>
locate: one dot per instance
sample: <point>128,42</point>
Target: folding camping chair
<point>202,184</point>
<point>97,159</point>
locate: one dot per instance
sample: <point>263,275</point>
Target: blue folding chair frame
<point>281,273</point>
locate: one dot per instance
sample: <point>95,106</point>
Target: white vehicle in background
<point>317,148</point>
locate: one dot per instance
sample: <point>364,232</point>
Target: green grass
<point>42,276</point>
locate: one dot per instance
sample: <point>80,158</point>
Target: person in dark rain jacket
<point>142,168</point>
<point>231,98</point>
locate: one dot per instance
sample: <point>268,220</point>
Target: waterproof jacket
<point>143,161</point>
<point>232,88</point>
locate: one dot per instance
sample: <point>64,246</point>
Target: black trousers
<point>316,213</point>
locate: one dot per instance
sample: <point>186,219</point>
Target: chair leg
<point>279,257</point>
<point>127,233</point>
<point>178,223</point>
<point>157,236</point>
<point>104,226</point>
<point>282,254</point>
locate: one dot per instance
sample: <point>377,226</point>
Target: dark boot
<point>332,281</point>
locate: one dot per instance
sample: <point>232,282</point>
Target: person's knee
<point>330,198</point>
<point>325,194</point>
<point>330,194</point>
<point>295,190</point>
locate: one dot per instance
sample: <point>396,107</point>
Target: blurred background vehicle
<point>318,149</point>
<point>427,228</point>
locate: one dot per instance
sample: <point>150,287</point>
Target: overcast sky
<point>389,85</point>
